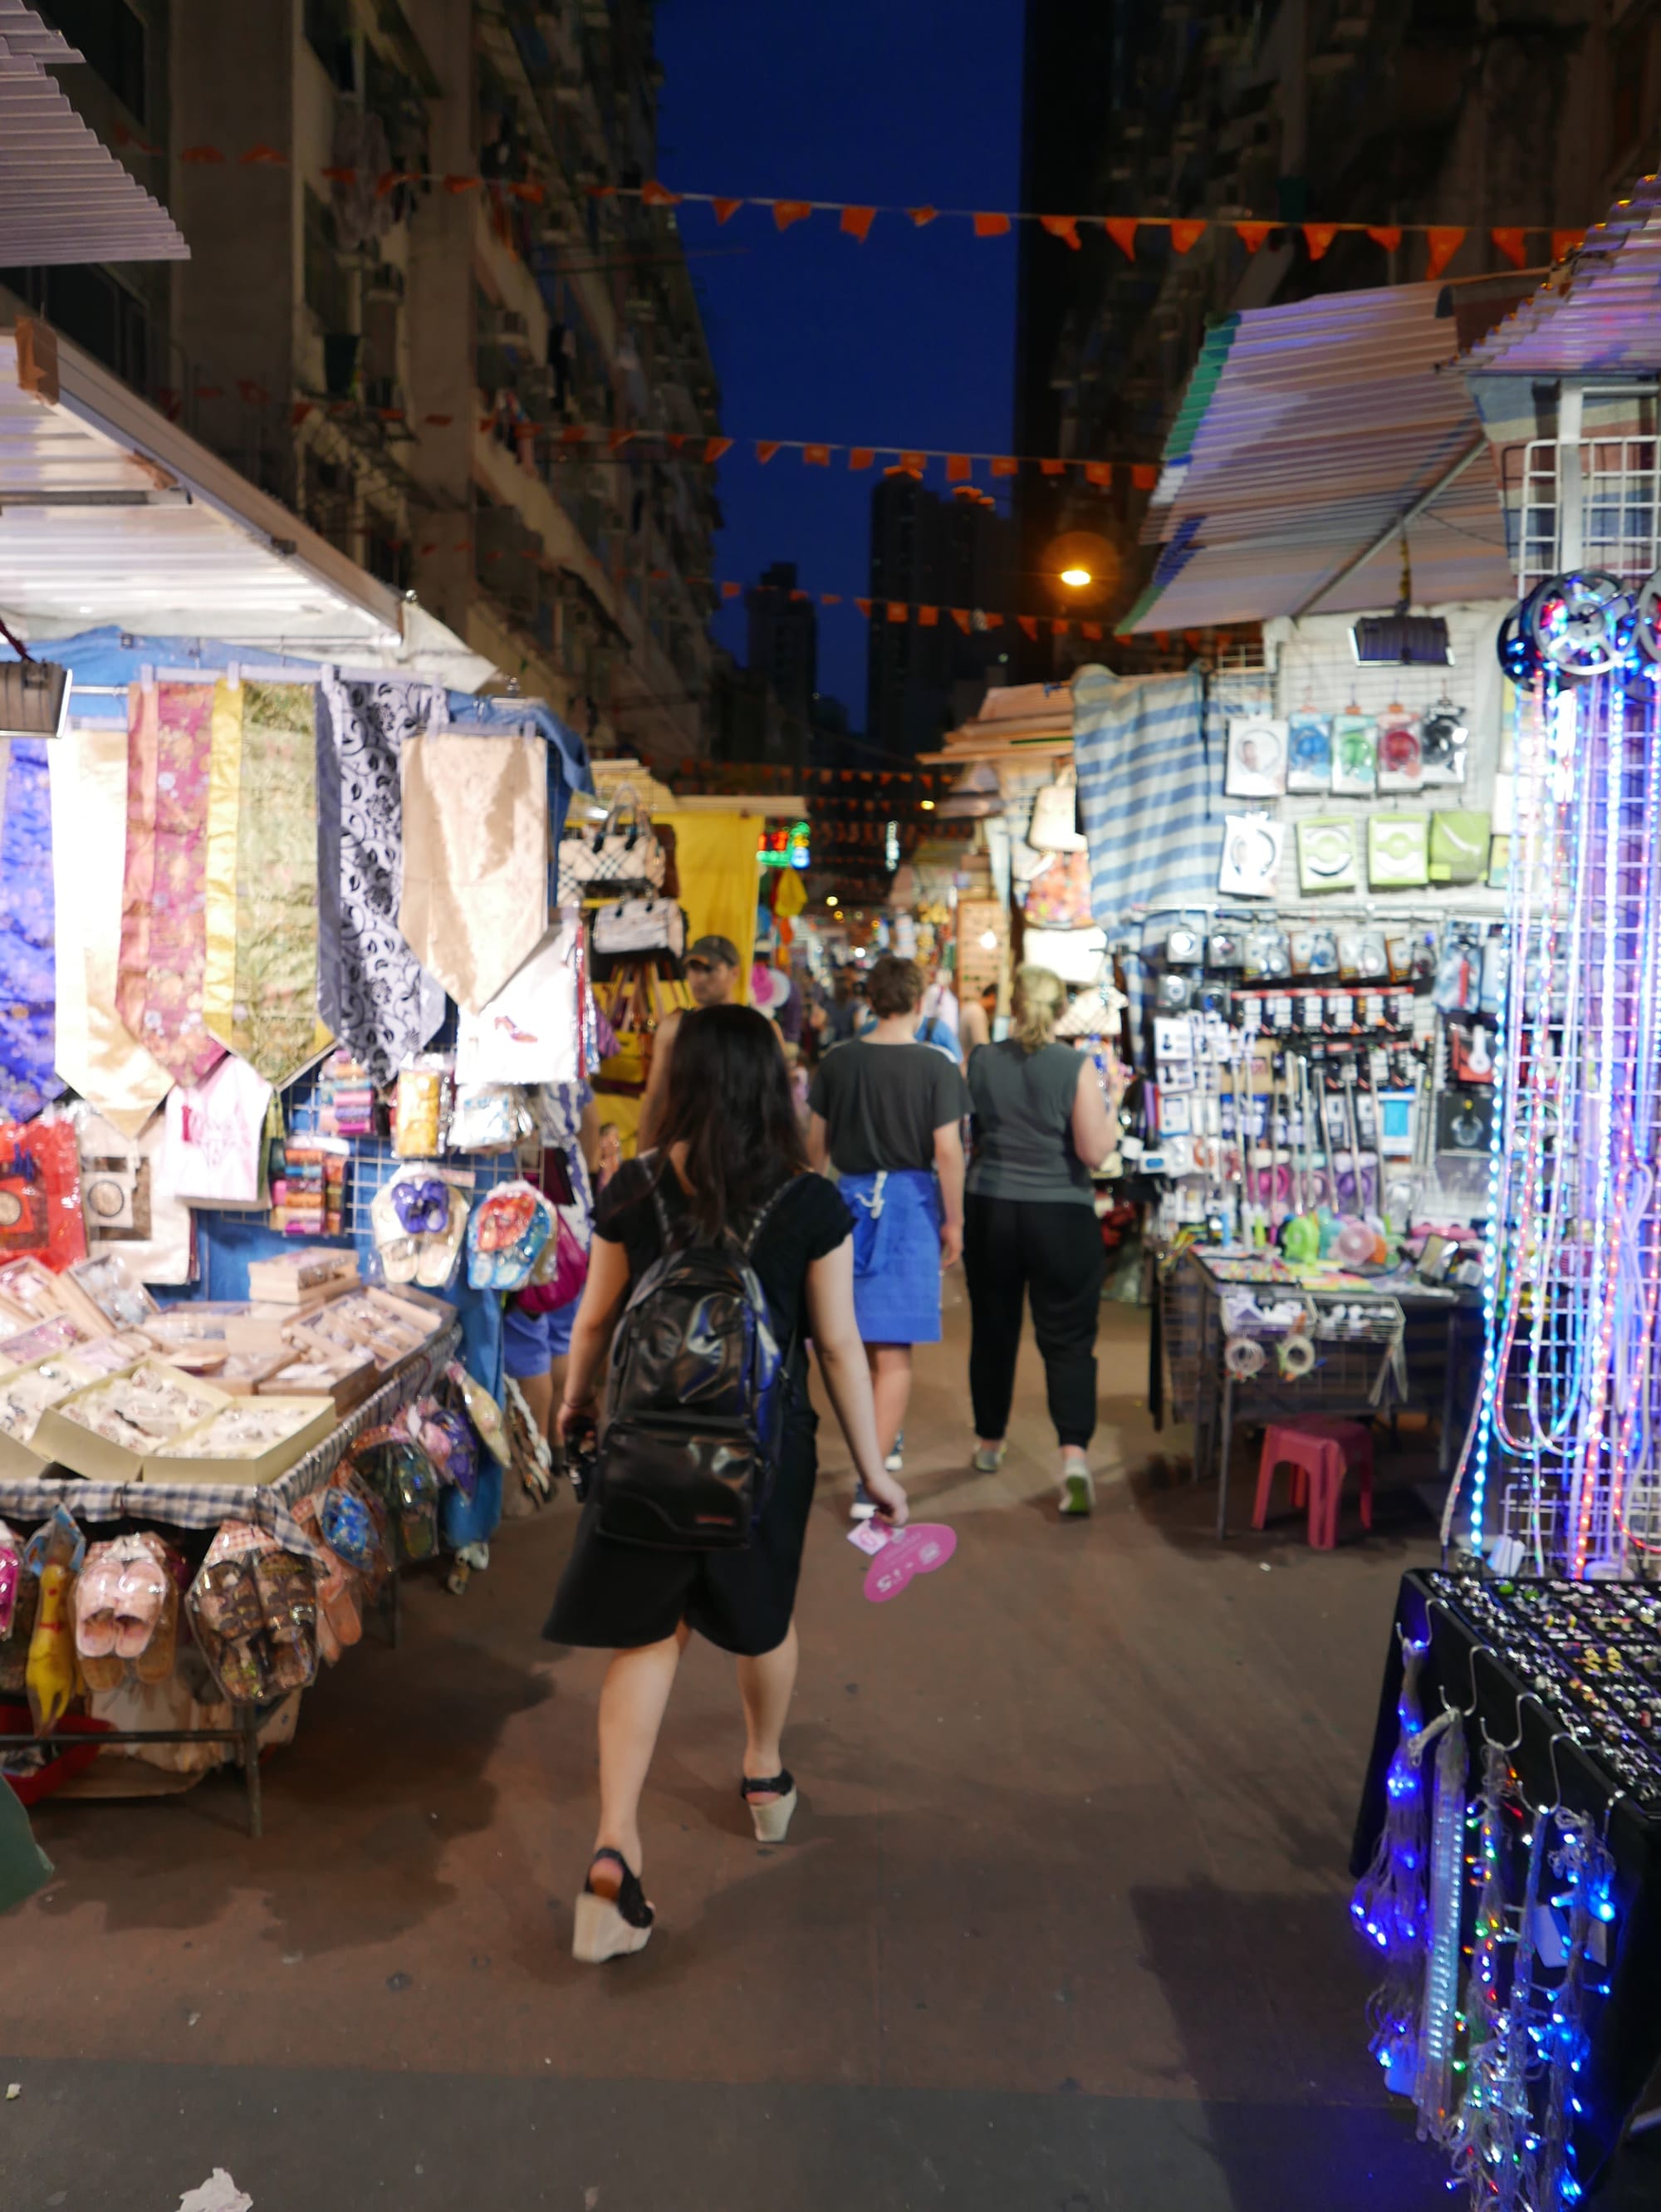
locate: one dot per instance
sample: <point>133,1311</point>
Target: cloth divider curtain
<point>475,858</point>
<point>163,956</point>
<point>28,984</point>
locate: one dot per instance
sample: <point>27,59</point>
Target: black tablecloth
<point>1625,2026</point>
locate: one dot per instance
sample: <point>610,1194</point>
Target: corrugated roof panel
<point>1313,430</point>
<point>64,196</point>
<point>1600,313</point>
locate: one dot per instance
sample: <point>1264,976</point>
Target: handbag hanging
<point>1058,895</point>
<point>1054,826</point>
<point>621,851</point>
<point>640,925</point>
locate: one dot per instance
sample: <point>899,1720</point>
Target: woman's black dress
<point>621,1596</point>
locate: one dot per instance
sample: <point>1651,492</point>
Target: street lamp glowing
<point>1076,579</point>
<point>927,805</point>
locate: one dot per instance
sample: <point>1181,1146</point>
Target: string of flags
<point>971,620</point>
<point>857,220</point>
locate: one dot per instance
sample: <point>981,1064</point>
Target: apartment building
<point>420,310</point>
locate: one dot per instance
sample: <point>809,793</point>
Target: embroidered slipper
<point>613,1917</point>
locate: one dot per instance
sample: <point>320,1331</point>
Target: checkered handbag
<point>619,855</point>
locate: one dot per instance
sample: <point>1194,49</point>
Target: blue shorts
<point>532,1342</point>
<point>896,1255</point>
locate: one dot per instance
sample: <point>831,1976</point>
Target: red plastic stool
<point>1319,1453</point>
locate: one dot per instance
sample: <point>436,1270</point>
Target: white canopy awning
<point>64,196</point>
<point>109,513</point>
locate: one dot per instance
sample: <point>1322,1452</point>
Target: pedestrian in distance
<point>728,1189</point>
<point>1030,1229</point>
<point>887,1114</point>
<point>711,967</point>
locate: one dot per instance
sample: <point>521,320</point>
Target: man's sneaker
<point>863,1506</point>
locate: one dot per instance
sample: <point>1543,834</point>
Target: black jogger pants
<point>1052,1249</point>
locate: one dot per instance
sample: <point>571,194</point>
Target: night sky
<point>908,337</point>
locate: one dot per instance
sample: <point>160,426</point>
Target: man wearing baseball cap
<point>711,973</point>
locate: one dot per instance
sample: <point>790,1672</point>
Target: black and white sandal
<point>773,1819</point>
<point>613,1917</point>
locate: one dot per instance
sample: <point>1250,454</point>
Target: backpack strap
<point>655,1187</point>
<point>749,1243</point>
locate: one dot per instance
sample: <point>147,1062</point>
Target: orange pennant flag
<point>1065,228</point>
<point>438,422</point>
<point>1060,628</point>
<point>456,184</point>
<point>1184,235</point>
<point>923,215</point>
<point>992,622</point>
<point>1122,229</point>
<point>766,448</point>
<point>675,440</point>
<point>534,193</point>
<point>726,209</point>
<point>857,222</point>
<point>574,433</point>
<point>785,212</point>
<point>1445,241</point>
<point>914,463</point>
<point>270,157</point>
<point>1005,465</point>
<point>617,440</point>
<point>1252,235</point>
<point>204,154</point>
<point>1098,472</point>
<point>1387,234</point>
<point>1508,237</point>
<point>300,410</point>
<point>1053,468</point>
<point>929,617</point>
<point>1317,236</point>
<point>714,448</point>
<point>898,610</point>
<point>1090,630</point>
<point>861,456</point>
<point>652,194</point>
<point>335,176</point>
<point>991,226</point>
<point>1144,475</point>
<point>730,590</point>
<point>961,617</point>
<point>865,607</point>
<point>1564,242</point>
<point>817,456</point>
<point>830,599</point>
<point>1029,626</point>
<point>958,470</point>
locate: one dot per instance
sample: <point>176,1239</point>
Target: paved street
<point>1061,1924</point>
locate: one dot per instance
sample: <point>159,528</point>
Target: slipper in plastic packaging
<point>505,1236</point>
<point>405,1478</point>
<point>350,1528</point>
<point>482,1411</point>
<point>11,1572</point>
<point>252,1609</point>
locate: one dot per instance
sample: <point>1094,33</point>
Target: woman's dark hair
<point>729,1104</point>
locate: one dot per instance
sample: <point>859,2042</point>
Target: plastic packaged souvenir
<point>1401,754</point>
<point>560,1271</point>
<point>51,1675</point>
<point>506,1236</point>
<point>142,1410</point>
<point>123,1302</point>
<point>1255,765</point>
<point>1444,740</point>
<point>1326,854</point>
<point>482,1411</point>
<point>126,1611</point>
<point>40,1193</point>
<point>244,1430</point>
<point>406,1480</point>
<point>1309,752</point>
<point>349,1527</point>
<point>1355,757</point>
<point>420,1223</point>
<point>489,1117</point>
<point>26,1396</point>
<point>418,1117</point>
<point>448,1440</point>
<point>1250,856</point>
<point>339,1616</point>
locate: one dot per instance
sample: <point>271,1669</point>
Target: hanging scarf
<point>474,896</point>
<point>371,991</point>
<point>159,984</point>
<point>28,987</point>
<point>260,994</point>
<point>97,1055</point>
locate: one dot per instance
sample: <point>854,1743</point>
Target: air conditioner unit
<point>34,699</point>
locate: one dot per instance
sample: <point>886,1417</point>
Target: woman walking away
<point>728,1189</point>
<point>887,1114</point>
<point>1040,1124</point>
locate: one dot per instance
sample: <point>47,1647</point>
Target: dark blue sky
<point>908,337</point>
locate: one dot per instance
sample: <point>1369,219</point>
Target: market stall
<point>295,1038</point>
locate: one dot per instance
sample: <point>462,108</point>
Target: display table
<point>1559,1677</point>
<point>26,1500</point>
<point>1411,1346</point>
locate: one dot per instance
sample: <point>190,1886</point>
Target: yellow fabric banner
<point>716,855</point>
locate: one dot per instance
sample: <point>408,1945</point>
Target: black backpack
<point>694,1405</point>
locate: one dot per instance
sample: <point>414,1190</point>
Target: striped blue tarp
<point>1150,790</point>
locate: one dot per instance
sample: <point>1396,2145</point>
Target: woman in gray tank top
<point>1030,1229</point>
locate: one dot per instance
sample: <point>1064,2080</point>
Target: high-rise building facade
<point>947,563</point>
<point>414,282</point>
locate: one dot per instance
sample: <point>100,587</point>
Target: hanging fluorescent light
<point>1402,641</point>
